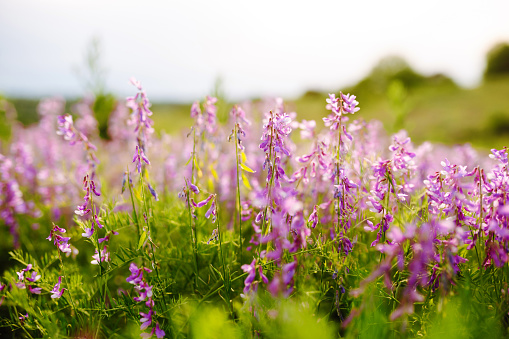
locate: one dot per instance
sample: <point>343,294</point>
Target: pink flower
<point>55,292</point>
<point>35,290</point>
<point>104,257</point>
<point>251,274</point>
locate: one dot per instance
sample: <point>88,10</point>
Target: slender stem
<point>338,160</point>
<point>269,193</point>
<point>132,202</point>
<point>226,286</point>
<point>194,156</point>
<point>193,239</point>
<point>148,209</point>
<point>98,249</point>
<point>96,244</point>
<point>238,191</point>
<point>67,283</point>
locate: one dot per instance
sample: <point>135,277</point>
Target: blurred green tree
<point>497,61</point>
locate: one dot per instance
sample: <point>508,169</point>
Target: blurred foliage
<point>498,124</point>
<point>497,62</point>
<point>397,95</point>
<point>7,115</point>
<point>391,69</point>
<point>212,323</point>
<point>395,69</point>
<point>104,104</point>
<point>26,109</point>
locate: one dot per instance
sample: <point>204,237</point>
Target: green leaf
<point>188,161</point>
<point>246,182</point>
<point>247,169</point>
<point>142,239</point>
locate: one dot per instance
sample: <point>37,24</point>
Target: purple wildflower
<point>34,277</point>
<point>73,135</point>
<point>144,293</point>
<point>210,113</point>
<point>56,292</point>
<point>156,330</point>
<point>136,276</point>
<point>140,106</point>
<point>153,192</point>
<point>139,157</point>
<point>62,243</point>
<point>349,103</point>
<point>251,275</point>
<point>34,290</point>
<point>103,257</point>
<point>89,187</point>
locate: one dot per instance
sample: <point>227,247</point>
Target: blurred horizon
<point>283,49</point>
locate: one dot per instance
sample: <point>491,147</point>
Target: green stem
<point>238,193</point>
<point>193,239</point>
<point>226,280</point>
<point>194,155</point>
<point>132,202</point>
<point>67,283</point>
<point>269,193</point>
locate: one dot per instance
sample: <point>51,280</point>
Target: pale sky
<point>279,48</point>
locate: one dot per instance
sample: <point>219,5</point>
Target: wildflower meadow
<point>251,223</point>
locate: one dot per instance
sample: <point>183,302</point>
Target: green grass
<point>442,113</point>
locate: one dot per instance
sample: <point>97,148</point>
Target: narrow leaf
<point>142,239</point>
<point>246,182</point>
<point>247,169</point>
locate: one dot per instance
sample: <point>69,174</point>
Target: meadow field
<point>377,211</point>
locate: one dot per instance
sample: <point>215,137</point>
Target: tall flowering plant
<point>145,294</point>
<point>344,187</point>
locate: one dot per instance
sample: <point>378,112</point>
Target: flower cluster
<point>184,195</point>
<point>32,278</point>
<point>391,184</point>
<point>86,123</point>
<point>339,106</point>
<point>88,205</point>
<point>144,293</point>
<point>206,120</point>
<point>210,113</point>
<point>73,135</point>
<point>141,112</point>
<point>61,242</point>
<point>140,106</point>
<point>139,158</point>
<point>494,210</point>
<point>11,198</point>
<point>250,285</point>
<point>99,257</point>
